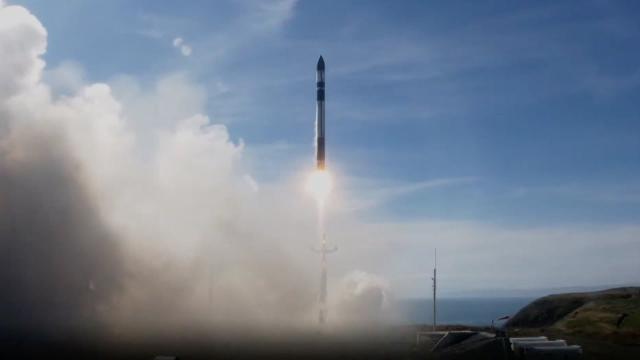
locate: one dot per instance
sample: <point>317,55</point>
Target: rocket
<point>323,184</point>
<point>320,156</point>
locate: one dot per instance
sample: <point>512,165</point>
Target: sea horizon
<point>476,311</point>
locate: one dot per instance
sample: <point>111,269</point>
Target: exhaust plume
<point>109,225</point>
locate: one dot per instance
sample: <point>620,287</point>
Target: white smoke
<point>155,223</point>
<point>22,41</point>
<point>67,78</point>
<point>363,298</point>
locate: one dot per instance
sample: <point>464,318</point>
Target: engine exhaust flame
<point>319,185</point>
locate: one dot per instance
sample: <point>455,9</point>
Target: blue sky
<point>536,101</point>
<point>516,114</point>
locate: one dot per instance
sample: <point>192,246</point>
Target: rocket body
<point>320,115</point>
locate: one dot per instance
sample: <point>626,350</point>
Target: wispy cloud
<point>184,48</point>
<point>474,255</point>
<point>378,193</point>
<point>269,15</point>
<point>257,20</point>
<point>605,193</point>
<point>163,28</point>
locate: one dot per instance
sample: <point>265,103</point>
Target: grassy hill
<point>598,315</point>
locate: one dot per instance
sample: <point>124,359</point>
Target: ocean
<point>464,311</point>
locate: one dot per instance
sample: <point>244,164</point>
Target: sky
<point>504,133</point>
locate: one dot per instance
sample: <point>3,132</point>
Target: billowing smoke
<point>363,298</point>
<point>60,262</point>
<point>108,223</point>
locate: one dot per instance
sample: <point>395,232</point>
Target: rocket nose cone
<point>320,64</point>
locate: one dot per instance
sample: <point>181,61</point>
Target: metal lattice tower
<point>324,249</point>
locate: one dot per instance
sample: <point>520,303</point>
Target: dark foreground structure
<point>591,322</point>
<point>397,344</point>
<point>406,343</point>
<point>391,343</point>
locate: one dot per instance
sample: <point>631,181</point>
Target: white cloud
<point>182,46</point>
<point>367,194</point>
<point>473,256</point>
<point>270,15</point>
<point>185,50</point>
<point>161,105</point>
<point>66,78</point>
<point>22,40</point>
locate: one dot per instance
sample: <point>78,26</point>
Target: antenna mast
<point>435,264</point>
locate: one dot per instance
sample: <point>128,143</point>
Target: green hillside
<point>610,315</point>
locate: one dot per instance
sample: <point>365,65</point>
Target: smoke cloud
<point>110,221</point>
<point>363,299</point>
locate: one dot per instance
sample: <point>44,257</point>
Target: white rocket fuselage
<point>320,115</point>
